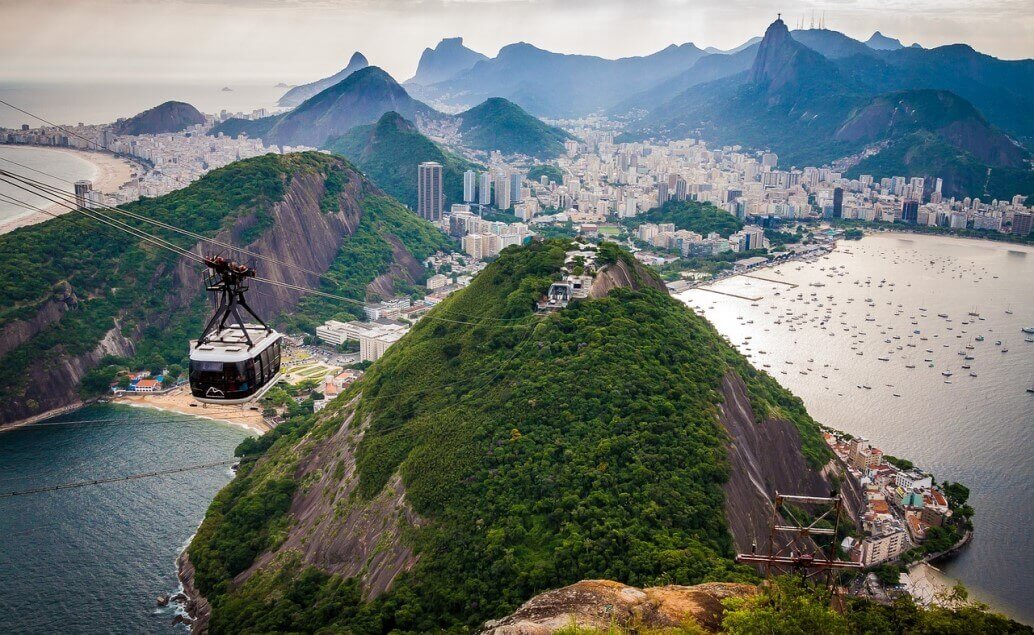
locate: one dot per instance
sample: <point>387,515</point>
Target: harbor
<point>878,324</point>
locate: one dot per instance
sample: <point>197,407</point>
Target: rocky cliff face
<point>606,605</point>
<point>17,332</point>
<point>332,530</point>
<point>295,230</point>
<point>781,60</point>
<point>764,458</point>
<point>623,274</point>
<point>54,386</point>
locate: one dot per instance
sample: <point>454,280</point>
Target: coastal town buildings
<point>168,161</point>
<point>604,179</point>
<point>900,504</point>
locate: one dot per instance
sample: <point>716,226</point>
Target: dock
<point>731,295</point>
<point>782,282</point>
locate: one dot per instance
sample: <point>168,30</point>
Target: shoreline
<point>180,402</point>
<point>873,229</point>
<point>176,401</point>
<point>111,172</point>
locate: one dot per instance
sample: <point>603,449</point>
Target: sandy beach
<point>179,400</point>
<point>110,173</point>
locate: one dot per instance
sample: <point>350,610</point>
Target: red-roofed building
<point>146,385</point>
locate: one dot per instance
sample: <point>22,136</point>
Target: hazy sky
<point>299,40</point>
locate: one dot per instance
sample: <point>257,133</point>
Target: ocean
<point>92,103</point>
<point>94,559</point>
<point>96,103</point>
<point>64,165</point>
<point>975,430</point>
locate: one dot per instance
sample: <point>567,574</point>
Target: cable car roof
<point>230,345</point>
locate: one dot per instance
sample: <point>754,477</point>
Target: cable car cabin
<point>224,369</point>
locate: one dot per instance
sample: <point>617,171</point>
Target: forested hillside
<point>80,298</point>
<point>702,218</point>
<point>495,453</point>
<point>390,151</point>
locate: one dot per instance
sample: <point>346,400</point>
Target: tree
<point>785,605</point>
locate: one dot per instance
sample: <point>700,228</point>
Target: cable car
<point>233,361</point>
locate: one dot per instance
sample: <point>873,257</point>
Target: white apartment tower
<point>470,179</point>
<point>485,189</point>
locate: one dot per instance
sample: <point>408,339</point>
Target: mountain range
<point>792,95</point>
<point>554,84</point>
<point>365,95</point>
<point>813,97</point>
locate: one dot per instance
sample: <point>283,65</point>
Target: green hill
<point>551,172</point>
<point>498,453</point>
<point>925,154</point>
<point>702,218</point>
<point>498,124</point>
<point>389,153</point>
<point>80,300</point>
<point>172,116</point>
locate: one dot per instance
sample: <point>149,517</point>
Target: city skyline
<point>214,39</point>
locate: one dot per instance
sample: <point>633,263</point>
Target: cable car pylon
<point>792,547</point>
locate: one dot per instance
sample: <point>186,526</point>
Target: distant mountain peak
<point>449,58</point>
<point>881,42</point>
<point>776,54</point>
<point>299,94</point>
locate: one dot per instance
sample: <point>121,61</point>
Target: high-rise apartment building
<point>485,189</point>
<point>82,193</point>
<point>515,187</point>
<point>430,197</point>
<point>910,212</point>
<point>662,193</point>
<point>502,193</point>
<point>470,179</point>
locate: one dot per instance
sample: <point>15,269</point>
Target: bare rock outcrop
<point>405,267</point>
<point>764,457</point>
<point>17,332</point>
<point>623,274</point>
<point>605,605</point>
<point>195,604</point>
<point>54,386</point>
<point>337,531</point>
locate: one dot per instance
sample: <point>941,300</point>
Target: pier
<point>731,295</point>
<point>782,282</point>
